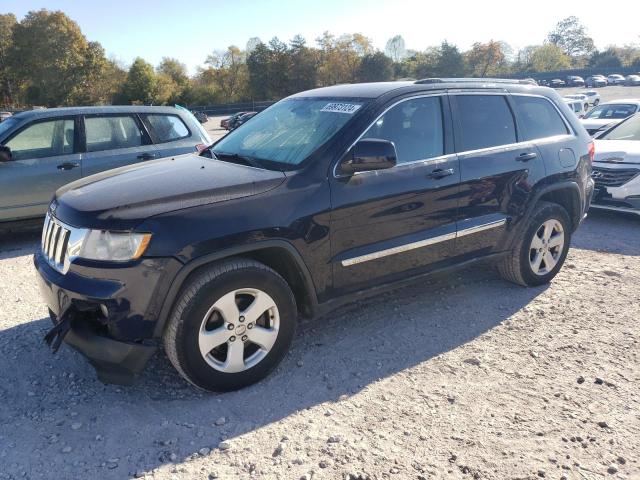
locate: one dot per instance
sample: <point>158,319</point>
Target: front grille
<point>55,240</point>
<point>613,177</point>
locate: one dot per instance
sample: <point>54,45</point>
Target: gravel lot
<point>461,377</point>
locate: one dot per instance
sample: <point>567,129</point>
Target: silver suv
<point>52,147</point>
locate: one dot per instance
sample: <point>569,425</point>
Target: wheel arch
<point>278,255</point>
<point>567,195</point>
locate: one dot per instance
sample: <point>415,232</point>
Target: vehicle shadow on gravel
<point>609,232</point>
<point>17,244</point>
<point>62,417</point>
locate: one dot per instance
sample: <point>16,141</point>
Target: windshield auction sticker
<point>349,108</point>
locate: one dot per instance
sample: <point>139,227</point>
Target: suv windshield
<point>621,110</point>
<point>285,134</point>
<point>627,130</point>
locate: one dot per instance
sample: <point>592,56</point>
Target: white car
<point>4,116</point>
<point>615,79</point>
<point>592,95</point>
<point>616,167</point>
<point>608,114</point>
<point>578,106</point>
<point>579,96</point>
<point>632,80</point>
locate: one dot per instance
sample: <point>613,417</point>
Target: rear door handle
<point>439,173</point>
<point>146,156</point>
<point>525,157</point>
<point>68,165</point>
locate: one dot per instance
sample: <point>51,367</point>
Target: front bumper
<point>113,309</point>
<point>621,198</point>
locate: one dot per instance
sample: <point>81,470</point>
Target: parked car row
<point>594,81</point>
<point>235,120</point>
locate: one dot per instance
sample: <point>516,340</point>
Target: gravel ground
<point>464,376</point>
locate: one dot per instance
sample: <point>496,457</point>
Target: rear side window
<point>111,132</point>
<point>539,118</point>
<point>415,128</point>
<point>43,139</point>
<point>167,128</point>
<point>485,121</point>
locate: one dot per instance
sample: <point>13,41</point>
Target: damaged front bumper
<point>107,314</point>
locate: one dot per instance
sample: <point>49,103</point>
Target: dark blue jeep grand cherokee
<point>327,194</point>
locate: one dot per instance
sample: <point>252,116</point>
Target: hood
<point>617,151</point>
<point>120,199</point>
<point>597,123</point>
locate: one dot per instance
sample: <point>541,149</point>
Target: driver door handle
<point>439,173</point>
<point>525,157</point>
<point>68,166</point>
<point>146,156</point>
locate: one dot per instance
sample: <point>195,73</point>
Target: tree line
<point>46,60</point>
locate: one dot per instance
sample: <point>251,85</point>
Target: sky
<point>191,29</point>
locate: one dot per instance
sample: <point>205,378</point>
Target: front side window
<point>612,111</point>
<point>111,132</point>
<point>415,128</point>
<point>485,121</point>
<point>286,133</point>
<point>167,128</point>
<point>539,118</point>
<point>43,139</point>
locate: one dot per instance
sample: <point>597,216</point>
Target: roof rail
<point>526,81</point>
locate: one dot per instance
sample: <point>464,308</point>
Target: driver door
<point>389,224</point>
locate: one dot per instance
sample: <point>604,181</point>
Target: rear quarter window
<point>166,128</point>
<point>539,118</point>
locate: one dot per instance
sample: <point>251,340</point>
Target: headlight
<point>113,246</point>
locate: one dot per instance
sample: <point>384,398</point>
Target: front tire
<point>231,325</point>
<point>540,253</point>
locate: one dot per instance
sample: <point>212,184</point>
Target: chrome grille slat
<point>56,237</point>
<point>610,177</point>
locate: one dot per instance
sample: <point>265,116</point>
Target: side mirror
<point>369,154</point>
<point>5,154</point>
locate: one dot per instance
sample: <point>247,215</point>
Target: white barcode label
<point>349,108</point>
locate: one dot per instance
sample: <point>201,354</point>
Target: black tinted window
<point>486,121</point>
<point>539,118</point>
<point>167,128</point>
<point>414,126</point>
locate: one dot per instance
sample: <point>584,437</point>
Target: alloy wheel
<point>546,247</point>
<point>239,330</point>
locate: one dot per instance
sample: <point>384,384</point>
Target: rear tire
<point>231,325</point>
<point>541,251</point>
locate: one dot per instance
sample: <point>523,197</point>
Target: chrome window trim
<point>422,243</point>
<point>447,156</point>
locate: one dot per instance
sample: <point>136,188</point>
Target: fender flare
<point>576,217</point>
<point>191,266</point>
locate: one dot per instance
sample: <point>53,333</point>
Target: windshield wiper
<point>235,158</point>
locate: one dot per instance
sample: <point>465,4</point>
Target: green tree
<point>548,58</point>
<point>605,59</point>
<point>303,74</point>
<point>141,84</point>
<point>571,36</point>
<point>50,57</point>
<point>174,80</point>
<point>375,67</point>
<point>7,22</point>
<point>229,72</point>
<point>258,70</point>
<point>450,61</point>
